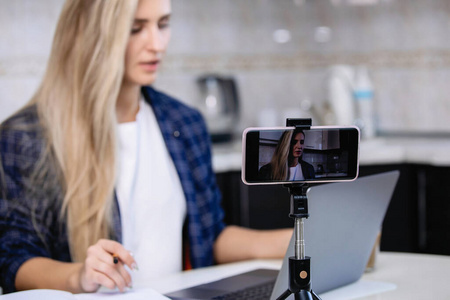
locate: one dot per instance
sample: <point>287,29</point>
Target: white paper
<point>39,294</point>
<point>138,294</point>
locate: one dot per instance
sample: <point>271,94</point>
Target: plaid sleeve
<point>27,226</point>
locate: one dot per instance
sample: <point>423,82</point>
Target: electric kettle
<point>219,105</point>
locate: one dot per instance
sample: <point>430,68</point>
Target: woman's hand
<point>99,267</point>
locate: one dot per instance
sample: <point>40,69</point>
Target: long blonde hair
<point>282,156</point>
<point>279,161</point>
<point>76,106</point>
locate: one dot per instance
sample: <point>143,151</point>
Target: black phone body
<point>286,155</point>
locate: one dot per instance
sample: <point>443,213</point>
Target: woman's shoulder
<point>305,164</point>
<point>24,117</point>
<point>265,172</point>
<point>266,167</point>
<point>22,133</point>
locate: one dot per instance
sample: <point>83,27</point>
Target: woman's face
<point>148,41</point>
<point>297,145</point>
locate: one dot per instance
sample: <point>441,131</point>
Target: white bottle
<point>363,94</point>
<point>340,94</point>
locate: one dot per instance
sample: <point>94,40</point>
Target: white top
<point>295,173</point>
<point>151,199</point>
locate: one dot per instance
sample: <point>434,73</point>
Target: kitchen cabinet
<point>322,140</point>
<point>434,203</point>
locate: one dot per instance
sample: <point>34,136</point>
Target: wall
<point>26,30</point>
<point>405,45</point>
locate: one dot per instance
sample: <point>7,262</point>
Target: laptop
<point>340,232</point>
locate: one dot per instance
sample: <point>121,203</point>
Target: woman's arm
<point>98,269</point>
<point>238,243</point>
<point>41,272</point>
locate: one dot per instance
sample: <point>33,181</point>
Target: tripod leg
<point>315,296</point>
<point>286,294</point>
<point>303,295</point>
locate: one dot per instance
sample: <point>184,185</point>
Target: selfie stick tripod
<point>299,264</point>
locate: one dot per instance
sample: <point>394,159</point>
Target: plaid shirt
<point>188,142</point>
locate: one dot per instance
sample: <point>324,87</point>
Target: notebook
<point>344,221</point>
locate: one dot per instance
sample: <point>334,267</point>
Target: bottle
<point>340,87</point>
<point>363,95</point>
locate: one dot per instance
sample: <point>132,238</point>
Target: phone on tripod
<point>284,155</point>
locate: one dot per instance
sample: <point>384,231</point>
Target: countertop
<point>377,151</point>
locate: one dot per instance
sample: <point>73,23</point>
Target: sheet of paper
<point>39,294</point>
<point>138,294</point>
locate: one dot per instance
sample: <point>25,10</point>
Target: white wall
<point>405,45</point>
<point>26,31</point>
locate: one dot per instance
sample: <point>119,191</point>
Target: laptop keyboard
<point>258,292</point>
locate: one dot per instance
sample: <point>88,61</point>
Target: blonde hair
<point>282,156</point>
<point>76,107</point>
<point>279,161</point>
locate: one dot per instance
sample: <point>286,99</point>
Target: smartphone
<point>283,155</point>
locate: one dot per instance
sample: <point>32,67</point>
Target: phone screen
<point>290,155</point>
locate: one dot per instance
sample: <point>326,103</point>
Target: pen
<point>115,258</point>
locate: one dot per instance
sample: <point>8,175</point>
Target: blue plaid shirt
<point>188,142</point>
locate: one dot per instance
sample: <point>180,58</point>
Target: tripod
<point>299,264</point>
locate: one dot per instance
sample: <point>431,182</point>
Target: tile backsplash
<point>280,53</point>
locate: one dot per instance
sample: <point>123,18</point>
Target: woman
<point>99,164</point>
<point>287,163</point>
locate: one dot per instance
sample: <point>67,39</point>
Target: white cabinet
<point>322,139</point>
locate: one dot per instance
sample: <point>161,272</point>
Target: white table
<point>403,276</point>
<point>417,276</point>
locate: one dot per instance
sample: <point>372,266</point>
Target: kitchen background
<point>280,53</point>
<point>295,58</point>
